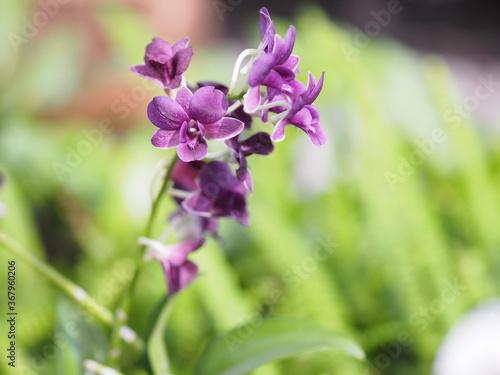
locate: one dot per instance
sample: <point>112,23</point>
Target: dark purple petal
<point>165,138</point>
<point>216,85</point>
<point>185,174</point>
<point>183,97</point>
<point>259,143</point>
<point>241,115</point>
<point>215,176</point>
<point>166,113</point>
<point>261,68</point>
<point>232,143</point>
<point>208,105</point>
<point>197,203</point>
<point>177,278</point>
<point>223,129</point>
<point>195,150</point>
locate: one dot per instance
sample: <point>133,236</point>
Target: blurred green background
<point>411,213</point>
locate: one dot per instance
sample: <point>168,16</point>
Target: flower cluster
<point>205,185</point>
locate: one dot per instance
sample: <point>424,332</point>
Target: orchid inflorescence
<point>189,116</point>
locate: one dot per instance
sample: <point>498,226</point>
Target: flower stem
<point>236,70</point>
<point>67,286</point>
<point>99,369</point>
<point>234,107</point>
<point>121,315</point>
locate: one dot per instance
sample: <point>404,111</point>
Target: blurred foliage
<point>396,246</point>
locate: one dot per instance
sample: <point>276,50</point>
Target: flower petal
<point>259,143</point>
<point>180,44</point>
<point>313,88</point>
<point>187,274</point>
<point>279,131</point>
<point>158,51</point>
<point>317,135</point>
<point>177,278</point>
<point>166,113</point>
<point>208,105</point>
<point>261,68</point>
<point>177,253</point>
<point>286,47</point>
<point>302,119</point>
<point>223,129</point>
<point>181,60</point>
<point>214,177</point>
<point>267,30</point>
<point>149,73</point>
<point>252,99</point>
<point>292,63</point>
<point>191,151</point>
<point>183,97</point>
<point>165,138</point>
<point>275,80</point>
<point>198,204</point>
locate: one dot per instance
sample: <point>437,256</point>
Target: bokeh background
<point>405,193</point>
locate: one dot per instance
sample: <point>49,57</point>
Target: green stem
<point>236,96</point>
<point>67,286</point>
<point>121,316</point>
<point>99,369</point>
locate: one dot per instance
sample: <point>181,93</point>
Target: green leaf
<point>157,350</point>
<point>252,345</point>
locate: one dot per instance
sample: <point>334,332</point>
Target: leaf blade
<point>270,339</point>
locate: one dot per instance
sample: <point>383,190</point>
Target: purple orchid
<point>190,120</point>
<point>275,67</point>
<point>267,30</point>
<point>259,143</point>
<point>178,270</point>
<point>221,194</point>
<point>239,113</point>
<point>303,114</point>
<point>164,64</point>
